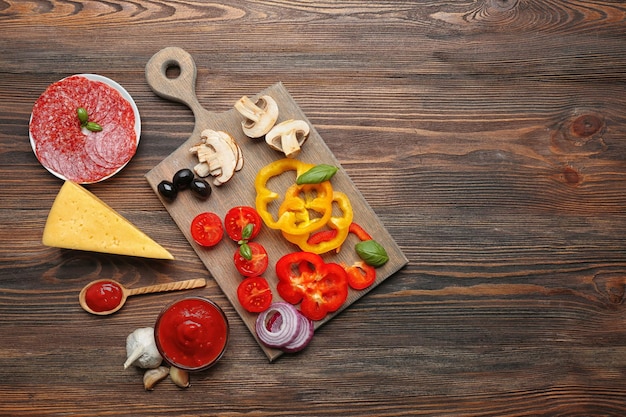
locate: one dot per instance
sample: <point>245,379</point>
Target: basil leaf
<point>93,127</point>
<point>83,117</point>
<point>317,174</point>
<point>372,253</point>
<point>245,251</point>
<point>247,231</point>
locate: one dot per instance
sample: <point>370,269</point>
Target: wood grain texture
<point>488,137</point>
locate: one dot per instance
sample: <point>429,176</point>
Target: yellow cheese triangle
<point>80,220</point>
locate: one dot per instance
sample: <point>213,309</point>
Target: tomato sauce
<point>103,296</point>
<point>192,333</point>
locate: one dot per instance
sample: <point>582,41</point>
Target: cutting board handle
<point>181,88</point>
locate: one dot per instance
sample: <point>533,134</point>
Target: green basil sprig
<point>83,118</point>
<point>246,232</point>
<point>245,251</point>
<point>244,248</point>
<point>372,253</point>
<point>317,174</point>
<point>93,126</point>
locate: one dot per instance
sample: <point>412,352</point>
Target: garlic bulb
<point>141,350</point>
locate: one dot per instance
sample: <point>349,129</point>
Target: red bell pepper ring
<point>319,287</point>
<point>360,275</point>
<point>359,232</point>
<point>323,236</point>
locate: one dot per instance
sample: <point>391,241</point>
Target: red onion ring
<point>274,322</point>
<point>278,336</point>
<point>303,338</point>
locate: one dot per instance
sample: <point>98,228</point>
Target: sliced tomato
<point>254,294</point>
<point>319,287</point>
<point>207,229</point>
<point>360,275</point>
<point>256,265</point>
<point>236,220</point>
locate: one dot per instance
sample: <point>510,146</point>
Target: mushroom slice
<point>217,156</point>
<point>260,116</point>
<point>288,137</point>
<point>235,147</point>
<point>202,169</point>
<point>203,152</point>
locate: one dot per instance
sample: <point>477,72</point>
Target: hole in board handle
<point>172,70</point>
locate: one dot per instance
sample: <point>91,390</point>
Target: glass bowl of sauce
<point>192,333</point>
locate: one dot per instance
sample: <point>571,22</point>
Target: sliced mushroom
<point>260,116</point>
<point>203,152</point>
<point>288,137</point>
<point>218,155</point>
<point>202,169</point>
<point>235,147</point>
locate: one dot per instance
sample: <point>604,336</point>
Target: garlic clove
<point>153,376</point>
<point>179,377</point>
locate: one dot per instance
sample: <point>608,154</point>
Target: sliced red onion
<point>274,322</point>
<point>278,336</point>
<point>303,338</point>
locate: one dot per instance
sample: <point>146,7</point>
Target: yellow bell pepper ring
<point>303,200</point>
<point>339,223</point>
<point>293,216</point>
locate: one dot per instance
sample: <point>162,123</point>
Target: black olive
<point>167,190</point>
<point>200,188</point>
<point>182,179</point>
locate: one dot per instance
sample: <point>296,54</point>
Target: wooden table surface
<point>489,136</point>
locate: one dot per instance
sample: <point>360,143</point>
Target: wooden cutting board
<point>240,189</point>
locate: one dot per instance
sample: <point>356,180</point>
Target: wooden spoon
<point>125,293</point>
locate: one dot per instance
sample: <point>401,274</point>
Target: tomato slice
<point>254,294</point>
<point>207,229</point>
<point>255,266</point>
<point>236,220</point>
<point>319,287</point>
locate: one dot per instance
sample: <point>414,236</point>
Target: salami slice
<point>67,149</point>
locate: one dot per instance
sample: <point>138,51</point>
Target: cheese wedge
<point>80,220</point>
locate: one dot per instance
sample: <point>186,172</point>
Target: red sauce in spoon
<point>103,296</point>
<point>192,333</point>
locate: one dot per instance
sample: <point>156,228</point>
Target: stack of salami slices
<point>70,151</point>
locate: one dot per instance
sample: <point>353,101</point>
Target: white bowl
<point>137,127</point>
